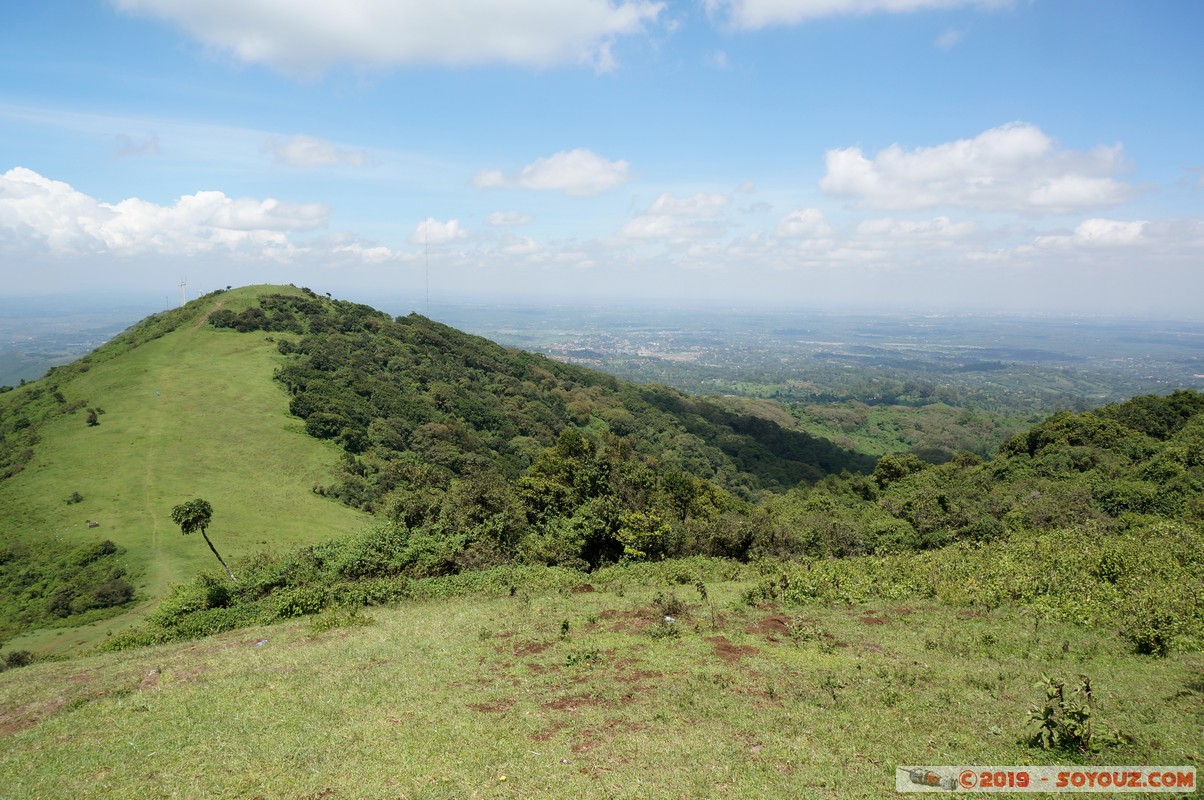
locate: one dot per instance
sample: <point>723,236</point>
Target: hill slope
<point>187,412</point>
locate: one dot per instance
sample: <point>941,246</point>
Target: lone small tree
<point>196,515</point>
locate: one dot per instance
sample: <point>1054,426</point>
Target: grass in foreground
<point>581,694</point>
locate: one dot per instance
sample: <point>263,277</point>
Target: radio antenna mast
<point>426,263</point>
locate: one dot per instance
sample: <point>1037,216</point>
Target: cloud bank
<point>1014,167</point>
<point>53,217</point>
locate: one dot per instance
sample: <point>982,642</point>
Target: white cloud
<point>753,14</point>
<point>1098,233</point>
<point>53,216</point>
<point>432,231</point>
<point>308,151</point>
<point>305,37</point>
<point>805,223</point>
<point>577,172</point>
<point>505,219</point>
<point>678,218</point>
<point>1014,167</point>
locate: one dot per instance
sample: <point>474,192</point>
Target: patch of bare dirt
<point>150,680</point>
<point>574,702</point>
<point>872,620</point>
<point>634,621</point>
<point>530,649</point>
<point>584,588</point>
<point>773,627</point>
<point>638,675</point>
<point>776,624</point>
<point>730,652</point>
<point>547,734</point>
<point>584,744</point>
<point>496,707</point>
<point>26,716</point>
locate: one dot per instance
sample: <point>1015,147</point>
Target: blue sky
<point>1037,155</point>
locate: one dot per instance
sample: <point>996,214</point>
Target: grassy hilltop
<point>188,413</point>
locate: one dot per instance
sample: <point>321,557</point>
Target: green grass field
<point>581,694</point>
<point>194,413</point>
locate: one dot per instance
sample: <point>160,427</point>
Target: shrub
<point>1153,624</point>
<point>17,658</point>
<point>669,605</point>
<point>109,594</point>
<point>299,601</point>
<point>1064,720</point>
<point>182,601</point>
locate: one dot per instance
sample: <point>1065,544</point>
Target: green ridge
<point>190,413</point>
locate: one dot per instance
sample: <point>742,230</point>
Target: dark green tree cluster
<point>60,586</point>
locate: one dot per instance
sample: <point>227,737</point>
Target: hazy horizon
<point>50,302</point>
